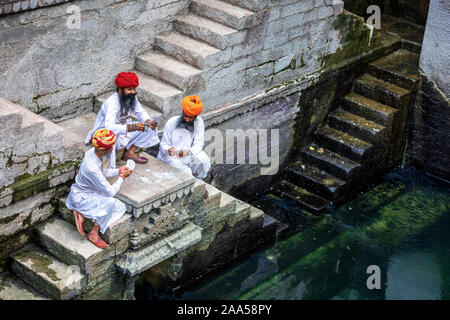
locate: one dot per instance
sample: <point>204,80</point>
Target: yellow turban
<point>103,139</point>
<point>192,106</point>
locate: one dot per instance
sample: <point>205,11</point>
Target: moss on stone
<point>8,219</point>
<point>40,263</point>
<point>355,40</point>
<point>27,221</point>
<point>26,184</point>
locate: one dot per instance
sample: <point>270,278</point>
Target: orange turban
<point>127,80</point>
<point>103,139</point>
<point>192,106</point>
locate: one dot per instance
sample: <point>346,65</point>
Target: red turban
<point>192,106</point>
<point>103,139</point>
<point>127,80</point>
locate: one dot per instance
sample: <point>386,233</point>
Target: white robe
<point>93,196</point>
<point>197,161</point>
<point>108,117</point>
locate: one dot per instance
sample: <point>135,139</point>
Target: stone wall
<point>14,6</point>
<point>295,108</point>
<point>430,123</point>
<point>55,71</point>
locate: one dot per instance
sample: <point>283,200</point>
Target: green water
<point>401,225</point>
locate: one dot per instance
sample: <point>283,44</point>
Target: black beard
<point>127,103</point>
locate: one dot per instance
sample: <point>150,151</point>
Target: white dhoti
<point>198,166</point>
<point>197,162</point>
<point>93,196</point>
<point>103,211</point>
<point>141,139</point>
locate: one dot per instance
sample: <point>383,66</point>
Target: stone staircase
<point>62,264</point>
<point>31,145</point>
<point>363,137</point>
<point>183,58</point>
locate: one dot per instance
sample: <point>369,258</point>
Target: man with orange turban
<point>92,196</point>
<point>116,114</point>
<point>183,139</point>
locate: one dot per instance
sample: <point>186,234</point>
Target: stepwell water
<point>400,228</point>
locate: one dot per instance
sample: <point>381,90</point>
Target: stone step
<point>356,126</point>
<point>12,288</point>
<point>42,270</point>
<point>368,108</point>
<point>152,112</point>
<point>382,91</point>
<point>300,196</point>
<point>344,144</point>
<point>10,117</point>
<point>315,180</point>
<point>226,13</point>
<point>400,67</point>
<point>62,240</point>
<point>158,94</point>
<point>51,140</point>
<point>29,125</point>
<point>74,146</point>
<point>197,53</point>
<point>331,162</point>
<point>117,231</point>
<point>214,196</point>
<point>209,31</point>
<point>250,4</point>
<point>169,69</point>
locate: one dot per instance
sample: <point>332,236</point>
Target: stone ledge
<point>16,6</point>
<point>152,185</point>
<point>134,262</point>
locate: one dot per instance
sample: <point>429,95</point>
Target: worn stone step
<point>315,180</point>
<point>224,12</point>
<point>117,231</point>
<point>62,240</point>
<point>152,112</point>
<point>382,91</point>
<point>368,108</point>
<point>344,144</point>
<point>158,94</point>
<point>10,117</point>
<point>331,162</point>
<point>12,288</point>
<point>356,126</point>
<point>214,196</point>
<point>250,4</point>
<point>74,146</point>
<point>209,31</point>
<point>169,69</point>
<point>400,67</point>
<point>197,53</point>
<point>23,122</point>
<point>48,274</point>
<point>300,196</point>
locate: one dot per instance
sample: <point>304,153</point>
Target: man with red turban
<point>183,139</point>
<point>116,114</point>
<point>92,196</point>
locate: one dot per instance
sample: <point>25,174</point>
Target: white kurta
<point>109,117</point>
<point>197,161</point>
<point>93,196</point>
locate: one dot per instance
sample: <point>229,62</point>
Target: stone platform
<point>152,185</point>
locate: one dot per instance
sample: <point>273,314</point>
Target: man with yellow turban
<point>183,139</point>
<point>92,196</point>
<point>116,114</point>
